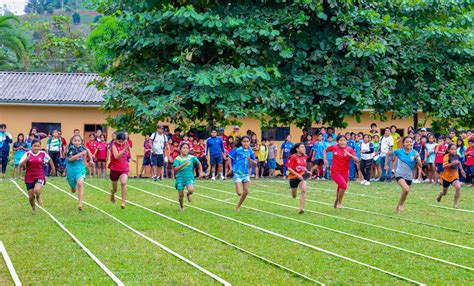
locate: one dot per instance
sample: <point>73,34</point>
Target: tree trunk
<point>210,118</point>
<point>415,121</point>
<point>308,124</point>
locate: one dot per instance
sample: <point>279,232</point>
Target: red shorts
<point>341,180</point>
<point>115,175</point>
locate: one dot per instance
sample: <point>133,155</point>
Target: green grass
<point>42,253</point>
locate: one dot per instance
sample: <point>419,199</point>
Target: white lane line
<point>378,214</point>
<point>217,278</point>
<point>364,223</point>
<point>453,209</point>
<point>337,231</point>
<point>9,263</point>
<point>91,255</point>
<point>211,236</point>
<point>289,238</point>
<point>329,191</point>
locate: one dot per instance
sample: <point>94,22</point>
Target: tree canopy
<point>11,40</point>
<point>290,61</point>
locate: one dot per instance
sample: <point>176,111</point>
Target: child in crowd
<point>329,157</point>
<point>20,147</point>
<point>318,149</point>
<point>101,155</point>
<point>146,155</point>
<point>285,153</point>
<point>54,147</point>
<point>367,151</point>
<point>262,157</point>
<point>271,161</point>
<point>430,158</point>
<point>440,151</point>
<point>92,146</point>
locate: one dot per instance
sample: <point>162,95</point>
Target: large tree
<point>293,62</point>
<point>11,40</point>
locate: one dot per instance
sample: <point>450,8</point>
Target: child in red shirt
<point>342,154</point>
<point>119,166</point>
<point>296,165</point>
<point>92,145</point>
<point>34,176</point>
<point>440,151</point>
<point>470,163</point>
<point>101,156</point>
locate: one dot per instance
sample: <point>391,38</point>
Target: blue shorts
<point>439,167</point>
<point>272,164</point>
<point>74,175</point>
<point>241,178</point>
<point>216,160</point>
<point>146,161</point>
<point>181,184</point>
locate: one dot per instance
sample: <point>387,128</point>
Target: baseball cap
<point>221,129</point>
<point>423,129</point>
<point>236,127</point>
<point>159,127</point>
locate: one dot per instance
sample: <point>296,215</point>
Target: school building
<point>66,101</point>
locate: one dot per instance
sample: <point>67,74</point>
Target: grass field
<point>267,243</point>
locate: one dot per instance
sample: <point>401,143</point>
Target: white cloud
<point>15,6</point>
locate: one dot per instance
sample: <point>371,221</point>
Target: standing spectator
<point>202,157</point>
<point>329,133</point>
<point>215,148</point>
<point>470,163</point>
<point>222,135</point>
<point>440,151</point>
<point>461,151</point>
<point>158,140</point>
<point>272,153</point>
<point>54,147</point>
<point>102,155</point>
<point>92,146</point>
<point>396,137</point>
<point>351,143</point>
<point>373,130</point>
<point>146,154</point>
<point>5,141</point>
<point>308,143</point>
<point>255,147</point>
<point>19,148</point>
<point>236,132</point>
<point>452,135</point>
<point>167,134</point>
<point>386,146</point>
<point>285,153</point>
<point>367,151</point>
<point>262,157</point>
<point>318,149</point>
<point>430,158</point>
<point>177,135</point>
<point>304,135</point>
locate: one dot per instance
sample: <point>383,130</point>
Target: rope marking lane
<point>212,236</point>
<point>378,214</point>
<point>287,238</point>
<point>364,223</point>
<point>91,255</point>
<point>215,277</point>
<point>340,232</point>
<point>9,263</point>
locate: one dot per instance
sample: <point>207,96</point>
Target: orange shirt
<point>450,174</point>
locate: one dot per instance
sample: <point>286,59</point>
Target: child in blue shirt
<point>19,148</point>
<point>318,148</point>
<point>285,152</point>
<point>241,158</point>
<point>330,142</point>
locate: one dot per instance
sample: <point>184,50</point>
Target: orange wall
<point>19,118</point>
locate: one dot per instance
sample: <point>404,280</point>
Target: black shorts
<point>295,182</point>
<point>115,175</point>
<point>319,162</point>
<point>30,186</point>
<point>157,160</point>
<point>401,178</point>
<point>446,184</point>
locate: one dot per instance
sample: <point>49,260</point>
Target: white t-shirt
<point>385,144</point>
<point>366,148</point>
<point>159,142</point>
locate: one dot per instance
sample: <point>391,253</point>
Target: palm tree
<point>11,38</point>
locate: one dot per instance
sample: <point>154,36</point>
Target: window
<point>93,128</point>
<point>279,133</point>
<point>46,128</point>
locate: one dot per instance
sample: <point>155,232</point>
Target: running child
<point>77,156</point>
<point>20,147</point>
<point>298,172</point>
<point>241,158</point>
<point>405,160</point>
<point>341,154</point>
<point>119,166</point>
<point>35,177</point>
<point>184,166</point>
<point>450,175</point>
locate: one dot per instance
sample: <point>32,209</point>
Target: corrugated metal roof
<point>49,88</point>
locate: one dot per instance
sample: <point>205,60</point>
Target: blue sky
<point>15,6</point>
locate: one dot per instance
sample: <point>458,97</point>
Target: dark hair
<point>230,137</point>
<point>272,138</point>
<point>387,128</point>
<point>18,137</point>
<point>373,124</point>
<point>305,129</point>
<point>121,136</point>
<point>263,139</point>
<point>329,127</point>
<point>366,135</point>
<point>93,135</point>
<point>72,138</point>
<point>178,130</point>
<point>181,147</point>
<point>449,147</point>
<point>339,137</point>
<point>73,131</point>
<point>31,130</point>
<point>347,133</point>
<point>392,127</point>
<point>440,137</point>
<point>295,148</point>
<point>462,144</point>
<point>103,135</point>
<point>471,141</point>
<point>34,141</point>
<point>405,138</point>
